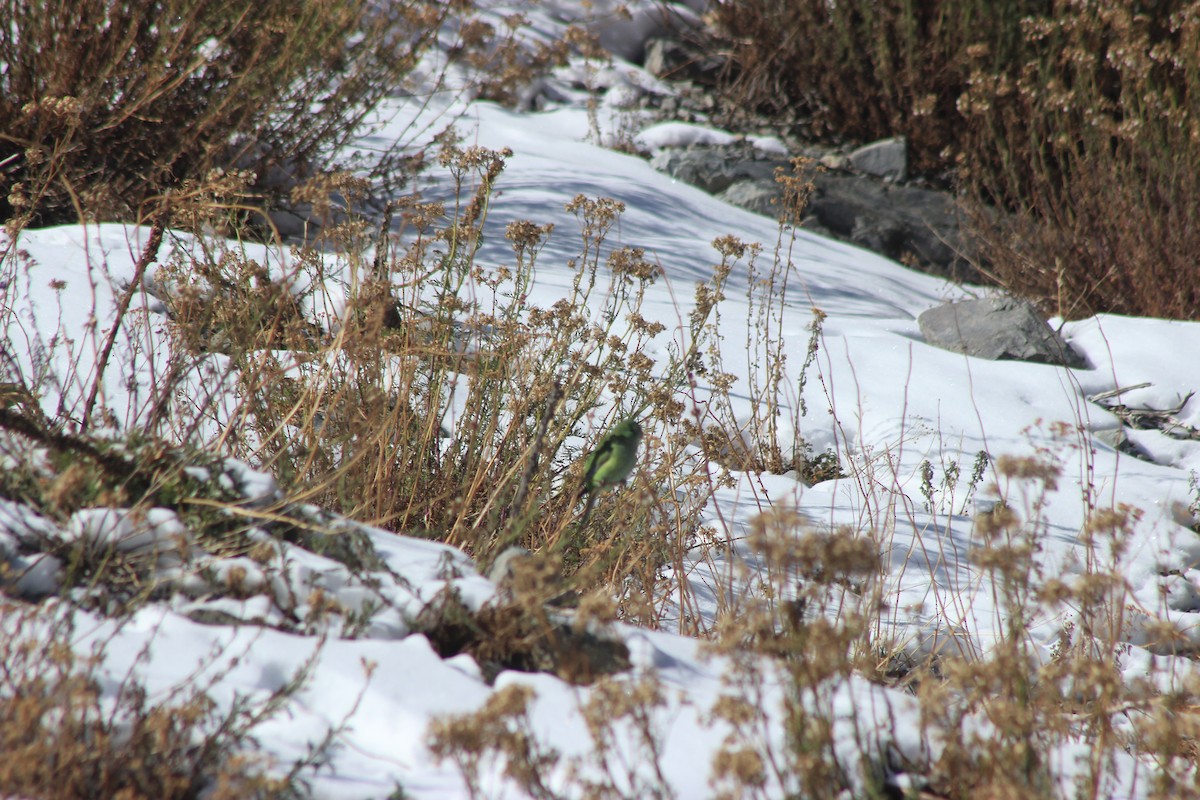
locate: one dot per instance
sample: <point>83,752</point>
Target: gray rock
<point>293,223</point>
<point>834,161</point>
<point>1117,440</point>
<point>715,169</point>
<point>757,196</point>
<point>997,328</point>
<point>664,57</point>
<point>34,576</point>
<point>579,656</point>
<point>904,223</point>
<point>540,94</point>
<point>626,36</point>
<point>916,226</point>
<point>213,616</point>
<point>887,158</point>
<point>501,570</point>
<point>671,59</point>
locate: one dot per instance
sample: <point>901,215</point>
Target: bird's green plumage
<point>614,457</point>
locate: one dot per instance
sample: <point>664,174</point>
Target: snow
<point>663,135</point>
<point>878,394</point>
<point>681,134</point>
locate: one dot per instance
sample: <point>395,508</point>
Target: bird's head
<point>629,429</point>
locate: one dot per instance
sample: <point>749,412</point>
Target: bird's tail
<point>587,512</point>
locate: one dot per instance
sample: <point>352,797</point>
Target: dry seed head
<point>224,182</point>
<point>475,32</point>
<point>735,710</point>
<point>641,363</point>
<point>17,197</point>
<point>601,212</point>
<point>263,552</point>
<point>978,51</point>
<point>65,108</point>
<point>1011,561</point>
<point>594,608</point>
<point>235,579</point>
<point>587,43</point>
<point>526,235</point>
<point>642,325</point>
<point>1028,468</point>
<point>841,553</point>
<point>744,766</point>
<point>729,246</point>
<point>619,698</point>
<point>631,261</point>
<point>511,701</point>
<point>997,520</point>
<point>321,603</point>
<point>1095,588</point>
<point>924,106</point>
<point>1054,592</point>
<point>706,299</point>
<point>1113,521</point>
<point>458,734</point>
<point>422,215</point>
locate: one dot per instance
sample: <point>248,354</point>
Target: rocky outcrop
<point>916,226</point>
<point>997,328</point>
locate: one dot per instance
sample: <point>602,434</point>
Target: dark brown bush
<point>866,69</point>
<point>1095,147</point>
<point>107,104</point>
<point>1078,120</point>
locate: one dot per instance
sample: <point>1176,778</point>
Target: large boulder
<point>676,60</point>
<point>715,169</point>
<point>918,227</point>
<point>886,158</point>
<point>997,328</point>
<point>906,223</point>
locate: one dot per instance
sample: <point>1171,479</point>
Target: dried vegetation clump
<point>1070,128</point>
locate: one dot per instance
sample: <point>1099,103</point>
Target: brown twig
<point>148,257</point>
<point>114,465</point>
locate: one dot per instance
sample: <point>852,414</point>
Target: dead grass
<point>108,106</point>
<point>440,402</point>
<point>1090,145</point>
<point>64,738</point>
<point>1069,127</point>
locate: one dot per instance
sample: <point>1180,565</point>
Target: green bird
<point>610,463</point>
<point>613,459</point>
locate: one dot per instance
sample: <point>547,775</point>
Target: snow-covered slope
<point>876,393</point>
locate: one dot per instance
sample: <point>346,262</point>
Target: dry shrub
<point>106,105</point>
<point>865,69</point>
<point>62,739</point>
<point>1031,706</point>
<point>810,627</point>
<point>440,401</point>
<point>1094,144</point>
<point>502,62</point>
<point>1077,120</point>
<point>1002,714</point>
<point>523,629</point>
<point>502,732</point>
<point>231,304</point>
